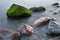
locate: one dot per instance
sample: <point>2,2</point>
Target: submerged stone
<point>25,29</point>
<point>54,29</point>
<point>17,11</point>
<point>38,9</point>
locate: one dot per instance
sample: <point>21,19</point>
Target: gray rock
<point>54,29</point>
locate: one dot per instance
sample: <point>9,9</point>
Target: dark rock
<point>55,13</point>
<point>25,29</point>
<point>15,36</point>
<point>54,29</point>
<point>41,21</point>
<point>55,4</point>
<point>17,11</point>
<point>38,9</point>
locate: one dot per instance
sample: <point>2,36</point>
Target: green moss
<point>16,11</point>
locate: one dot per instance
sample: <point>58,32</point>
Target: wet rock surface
<point>38,9</point>
<point>25,29</point>
<point>16,11</point>
<point>15,36</point>
<point>41,21</point>
<point>55,13</point>
<point>54,29</point>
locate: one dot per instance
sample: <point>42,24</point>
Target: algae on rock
<point>17,11</point>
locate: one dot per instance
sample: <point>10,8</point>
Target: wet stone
<point>42,21</point>
<point>38,9</point>
<point>25,29</point>
<point>55,4</point>
<point>55,13</point>
<point>15,36</point>
<point>53,29</point>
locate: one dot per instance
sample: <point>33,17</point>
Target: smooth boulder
<point>54,29</point>
<point>25,29</point>
<point>42,21</point>
<point>38,9</point>
<point>17,11</point>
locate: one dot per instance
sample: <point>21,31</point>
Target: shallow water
<point>15,24</point>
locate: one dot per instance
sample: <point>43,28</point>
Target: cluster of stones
<point>17,11</point>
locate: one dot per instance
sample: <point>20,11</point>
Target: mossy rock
<point>17,11</point>
<point>38,9</point>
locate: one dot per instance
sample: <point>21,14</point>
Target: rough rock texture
<point>25,29</point>
<point>38,9</point>
<point>15,36</point>
<point>54,29</point>
<point>17,11</point>
<point>41,21</point>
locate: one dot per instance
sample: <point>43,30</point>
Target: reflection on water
<point>15,24</point>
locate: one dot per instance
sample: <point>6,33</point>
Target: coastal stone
<point>15,36</point>
<point>41,21</point>
<point>55,4</point>
<point>17,11</point>
<point>25,29</point>
<point>54,29</point>
<point>38,9</point>
<point>55,13</point>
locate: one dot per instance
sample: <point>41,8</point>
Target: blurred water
<point>15,24</point>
